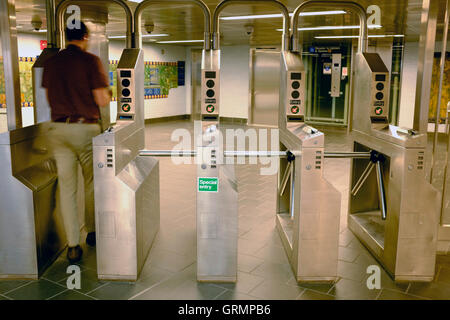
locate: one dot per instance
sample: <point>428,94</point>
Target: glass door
<point>328,83</point>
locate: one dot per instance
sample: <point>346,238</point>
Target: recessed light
<point>279,15</point>
<point>181,41</point>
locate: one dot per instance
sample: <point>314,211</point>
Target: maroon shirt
<point>70,76</point>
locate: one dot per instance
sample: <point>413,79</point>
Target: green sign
<point>208,184</point>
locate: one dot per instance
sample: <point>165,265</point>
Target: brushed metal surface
<point>217,212</point>
<point>31,230</point>
<point>308,210</point>
<point>8,38</point>
<point>126,186</point>
<point>265,91</point>
<point>41,106</point>
<point>405,243</point>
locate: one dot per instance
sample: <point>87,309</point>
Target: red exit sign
<point>43,44</point>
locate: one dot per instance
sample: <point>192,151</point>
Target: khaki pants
<point>71,144</point>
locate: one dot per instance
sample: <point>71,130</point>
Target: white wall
<point>175,104</point>
<point>29,44</point>
<point>234,81</point>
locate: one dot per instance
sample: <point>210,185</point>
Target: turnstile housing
<point>308,209</point>
<point>126,185</point>
<point>31,230</point>
<point>404,243</point>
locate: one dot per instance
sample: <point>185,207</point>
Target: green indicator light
<point>378,111</point>
<point>295,109</point>
<point>126,108</point>
<point>210,108</point>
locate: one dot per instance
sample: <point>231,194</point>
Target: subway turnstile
<point>308,207</point>
<point>31,230</point>
<point>217,194</point>
<point>393,210</point>
<point>127,212</point>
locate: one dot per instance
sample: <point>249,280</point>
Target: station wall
<point>234,79</point>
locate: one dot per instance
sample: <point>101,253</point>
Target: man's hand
<point>102,96</point>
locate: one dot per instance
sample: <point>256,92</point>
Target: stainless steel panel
<point>41,110</point>
<point>406,242</point>
<point>196,82</point>
<point>217,212</point>
<point>265,90</point>
<point>31,231</point>
<point>291,63</point>
<point>8,38</point>
<point>126,185</point>
<point>336,75</point>
<point>427,40</point>
<point>308,210</point>
<point>210,74</point>
<point>127,216</point>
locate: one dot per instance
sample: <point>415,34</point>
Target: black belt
<point>76,120</point>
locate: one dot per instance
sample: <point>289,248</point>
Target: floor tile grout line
<point>379,294</point>
<point>101,286</point>
<point>6,297</point>
<point>55,295</point>
<point>24,285</point>
<point>57,283</point>
<point>151,287</point>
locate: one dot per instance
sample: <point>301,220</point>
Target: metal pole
<point>441,78</point>
<point>278,154</point>
<point>226,3</point>
<point>287,174</point>
<point>62,6</point>
<point>444,188</point>
<point>352,6</point>
<point>363,178</point>
<point>146,3</point>
<point>51,31</point>
<point>381,193</point>
<point>425,64</point>
<point>8,38</point>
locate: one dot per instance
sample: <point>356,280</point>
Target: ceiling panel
<point>185,22</point>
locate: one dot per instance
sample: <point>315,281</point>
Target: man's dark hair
<point>74,33</point>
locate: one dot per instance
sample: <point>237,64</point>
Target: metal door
<point>196,78</point>
<point>265,77</point>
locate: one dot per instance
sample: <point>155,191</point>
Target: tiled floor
<point>264,272</point>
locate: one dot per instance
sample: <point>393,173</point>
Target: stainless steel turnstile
<point>393,210</point>
<point>308,207</point>
<point>31,231</point>
<point>126,185</point>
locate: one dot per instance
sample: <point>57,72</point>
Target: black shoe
<point>90,239</point>
<point>74,254</point>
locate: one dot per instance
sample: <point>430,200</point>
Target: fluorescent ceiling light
<point>370,26</point>
<point>180,41</point>
<point>354,37</point>
<point>143,36</point>
<point>138,1</point>
<point>279,15</point>
<point>155,35</point>
<point>41,30</point>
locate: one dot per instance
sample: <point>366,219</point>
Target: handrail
<point>350,5</point>
<point>226,3</point>
<point>144,4</point>
<point>62,6</point>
